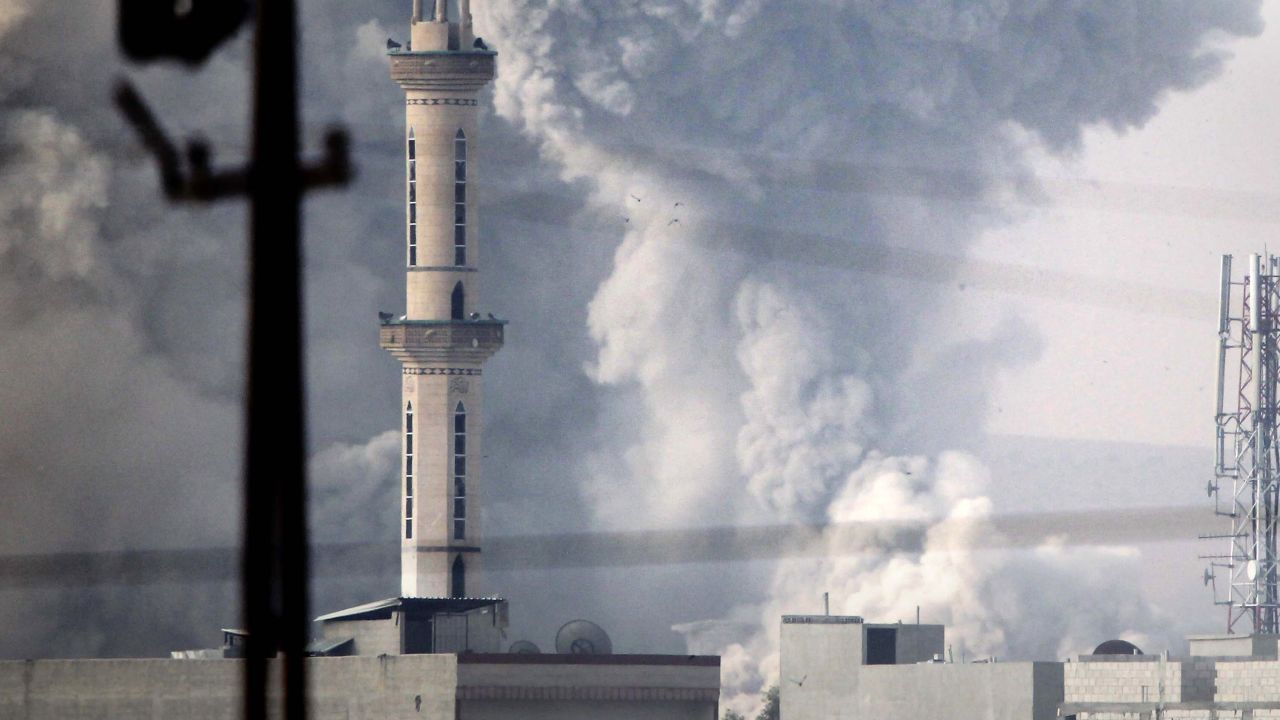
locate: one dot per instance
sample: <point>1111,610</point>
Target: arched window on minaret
<point>459,472</point>
<point>456,303</point>
<point>458,578</point>
<point>413,201</point>
<point>460,198</point>
<point>408,471</point>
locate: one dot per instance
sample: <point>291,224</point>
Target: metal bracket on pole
<point>274,560</point>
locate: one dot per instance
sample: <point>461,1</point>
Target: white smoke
<point>60,185</point>
<point>732,347</point>
<point>806,422</point>
<point>345,479</point>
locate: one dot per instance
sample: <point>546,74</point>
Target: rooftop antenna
<point>1246,444</point>
<point>826,603</point>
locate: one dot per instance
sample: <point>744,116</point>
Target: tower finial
<point>417,11</point>
<point>442,7</point>
<point>466,34</point>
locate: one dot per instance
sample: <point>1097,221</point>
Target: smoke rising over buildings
<point>727,367</point>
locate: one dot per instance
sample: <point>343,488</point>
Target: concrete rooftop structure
<point>841,668</point>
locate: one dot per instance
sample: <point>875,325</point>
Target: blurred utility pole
<point>274,562</point>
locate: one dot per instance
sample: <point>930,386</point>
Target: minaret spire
<point>466,35</point>
<point>442,341</point>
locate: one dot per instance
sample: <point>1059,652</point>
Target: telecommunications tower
<point>1247,458</point>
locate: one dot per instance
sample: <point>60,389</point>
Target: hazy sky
<point>935,261</point>
<point>1153,207</point>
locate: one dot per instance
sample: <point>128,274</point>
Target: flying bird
<point>673,222</point>
<point>799,682</point>
<point>633,197</point>
<point>626,220</point>
<point>679,204</point>
<point>392,44</point>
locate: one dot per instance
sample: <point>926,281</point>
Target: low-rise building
<point>839,667</point>
<point>407,626</point>
<point>470,686</point>
<point>1226,676</point>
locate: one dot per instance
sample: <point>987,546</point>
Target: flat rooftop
<point>559,659</point>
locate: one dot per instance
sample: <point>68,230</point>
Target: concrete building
<point>405,626</point>
<point>838,667</point>
<point>841,667</point>
<point>1226,676</point>
<point>391,687</point>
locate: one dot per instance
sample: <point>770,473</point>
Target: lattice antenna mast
<point>1246,447</point>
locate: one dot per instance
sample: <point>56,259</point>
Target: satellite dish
<point>582,637</point>
<point>1251,569</point>
<point>524,647</point>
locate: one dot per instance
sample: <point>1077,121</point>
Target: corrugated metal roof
<point>383,608</point>
<point>326,646</point>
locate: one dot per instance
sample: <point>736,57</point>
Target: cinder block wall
<point>405,687</point>
<point>1248,681</point>
<point>1139,679</point>
<point>1198,679</point>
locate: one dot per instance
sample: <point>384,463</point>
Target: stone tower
<point>442,340</point>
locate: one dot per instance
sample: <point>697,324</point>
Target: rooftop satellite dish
<point>524,647</point>
<point>582,637</point>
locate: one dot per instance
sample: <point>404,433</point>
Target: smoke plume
<point>766,385</point>
<point>679,198</point>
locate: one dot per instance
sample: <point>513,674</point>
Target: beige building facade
<point>392,687</point>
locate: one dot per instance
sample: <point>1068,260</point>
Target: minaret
<point>442,341</point>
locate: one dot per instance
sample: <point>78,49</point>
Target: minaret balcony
<point>443,70</point>
<point>467,342</point>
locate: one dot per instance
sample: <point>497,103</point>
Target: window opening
<point>408,471</point>
<point>460,472</point>
<point>413,201</point>
<point>460,198</point>
<point>456,303</point>
<point>882,646</point>
<point>458,579</point>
